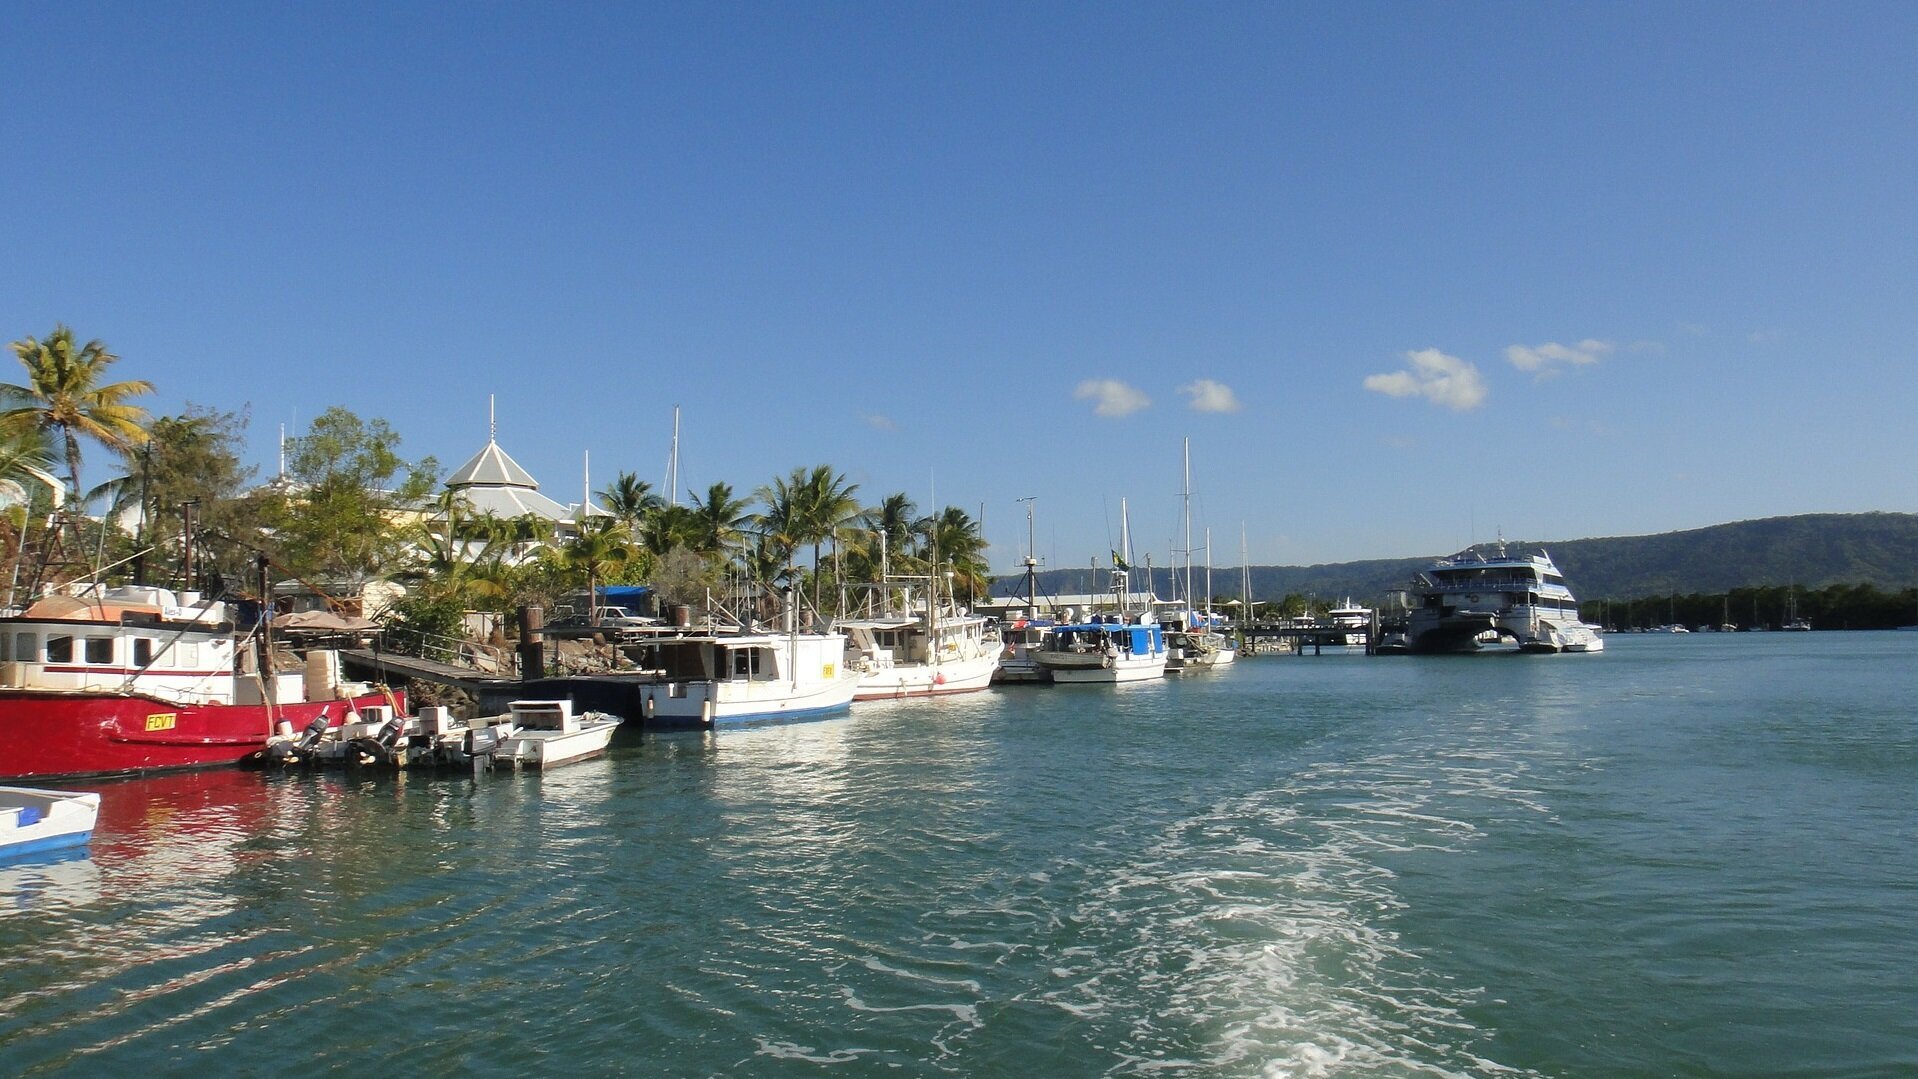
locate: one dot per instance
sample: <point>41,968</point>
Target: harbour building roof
<point>493,482</point>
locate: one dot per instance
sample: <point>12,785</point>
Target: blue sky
<point>1406,275</point>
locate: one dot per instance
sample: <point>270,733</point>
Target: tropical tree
<point>464,556</point>
<point>600,552</point>
<point>194,458</point>
<point>780,520</point>
<point>343,515</point>
<point>718,520</point>
<point>67,396</point>
<point>828,508</point>
<point>670,528</point>
<point>893,524</point>
<point>630,500</point>
<point>952,540</point>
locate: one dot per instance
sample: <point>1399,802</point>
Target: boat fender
<point>1106,662</point>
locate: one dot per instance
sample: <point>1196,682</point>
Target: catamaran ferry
<point>1473,597</point>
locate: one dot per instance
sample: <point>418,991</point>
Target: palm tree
<point>599,551</point>
<point>827,506</point>
<point>894,519</point>
<point>718,518</point>
<point>631,500</point>
<point>669,528</point>
<point>953,538</point>
<point>780,520</point>
<point>64,395</point>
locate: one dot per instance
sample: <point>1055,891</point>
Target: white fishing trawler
<point>725,679</point>
<point>1473,594</point>
<point>920,655</point>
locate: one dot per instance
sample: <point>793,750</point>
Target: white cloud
<point>1544,357</point>
<point>1440,379</point>
<point>1114,398</point>
<point>1210,396</point>
<point>880,423</point>
<point>1763,337</point>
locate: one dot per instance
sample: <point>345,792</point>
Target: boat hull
<point>74,735</point>
<point>1098,672</point>
<point>735,704</point>
<point>953,676</point>
<point>549,749</point>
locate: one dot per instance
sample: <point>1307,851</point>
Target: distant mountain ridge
<point>1809,550</point>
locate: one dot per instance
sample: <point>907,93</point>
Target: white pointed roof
<point>494,483</point>
<point>491,467</point>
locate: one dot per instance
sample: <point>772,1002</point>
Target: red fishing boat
<point>133,679</point>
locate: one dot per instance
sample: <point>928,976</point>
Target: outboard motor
<point>314,731</point>
<point>389,735</point>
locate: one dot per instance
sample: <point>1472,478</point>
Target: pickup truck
<point>602,619</point>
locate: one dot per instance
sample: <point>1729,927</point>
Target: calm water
<point>1687,856</point>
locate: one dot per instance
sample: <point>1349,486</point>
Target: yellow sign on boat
<point>162,721</point>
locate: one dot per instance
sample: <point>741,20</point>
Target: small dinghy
<point>33,820</point>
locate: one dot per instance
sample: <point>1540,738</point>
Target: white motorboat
<point>545,734</point>
<point>33,821</point>
<point>1457,601</point>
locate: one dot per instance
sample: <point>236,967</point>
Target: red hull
<point>64,736</point>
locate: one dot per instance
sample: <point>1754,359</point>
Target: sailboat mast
<point>672,463</point>
<point>1032,561</point>
<point>1245,575</point>
<point>1185,445</point>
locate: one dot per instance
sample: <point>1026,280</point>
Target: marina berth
<point>1475,598</point>
<point>134,679</point>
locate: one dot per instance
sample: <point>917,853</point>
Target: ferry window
<point>142,652</point>
<point>25,647</point>
<point>59,649</point>
<point>99,649</point>
<point>745,662</point>
<point>3,647</point>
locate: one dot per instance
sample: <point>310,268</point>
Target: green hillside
<point>1809,551</point>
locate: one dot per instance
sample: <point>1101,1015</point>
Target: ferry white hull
<point>1469,600</point>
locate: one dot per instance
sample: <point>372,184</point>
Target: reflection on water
<point>49,884</point>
